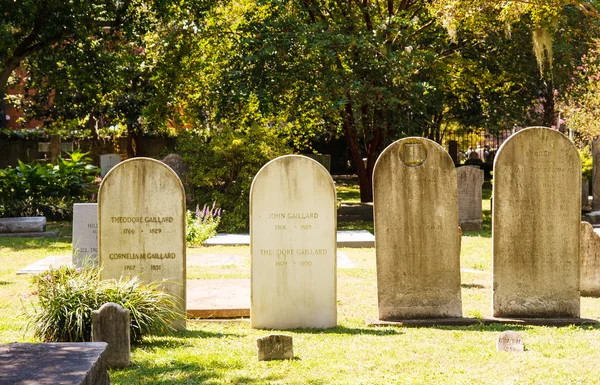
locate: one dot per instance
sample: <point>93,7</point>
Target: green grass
<point>351,353</point>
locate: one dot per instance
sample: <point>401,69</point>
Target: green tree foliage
<point>580,103</point>
<point>223,162</point>
<point>100,70</point>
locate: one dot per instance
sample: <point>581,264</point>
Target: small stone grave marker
<point>596,174</point>
<point>510,341</point>
<point>416,232</point>
<point>590,261</point>
<point>111,324</point>
<point>141,218</point>
<point>107,162</point>
<point>536,226</point>
<point>470,180</point>
<point>293,245</point>
<point>275,347</point>
<point>85,234</point>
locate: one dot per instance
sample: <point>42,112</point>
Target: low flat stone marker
<point>536,226</point>
<point>470,214</point>
<point>50,262</point>
<point>141,217</point>
<point>71,363</point>
<point>293,246</point>
<point>85,234</point>
<point>107,162</point>
<point>22,225</point>
<point>111,324</point>
<point>510,341</point>
<point>590,261</point>
<point>275,347</point>
<point>416,232</point>
<point>218,298</point>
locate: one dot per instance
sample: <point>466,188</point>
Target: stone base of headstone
<point>218,298</point>
<point>558,322</point>
<point>54,363</point>
<point>473,225</point>
<point>275,347</point>
<point>355,212</point>
<point>45,234</point>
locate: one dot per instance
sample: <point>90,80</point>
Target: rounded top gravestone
<point>141,220</point>
<point>535,229</point>
<point>293,245</point>
<point>416,232</point>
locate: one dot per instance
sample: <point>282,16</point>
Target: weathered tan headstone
<point>275,347</point>
<point>470,214</point>
<point>590,261</point>
<point>85,234</point>
<point>141,217</point>
<point>112,324</point>
<point>596,174</point>
<point>536,216</point>
<point>293,245</point>
<point>510,341</point>
<point>416,232</point>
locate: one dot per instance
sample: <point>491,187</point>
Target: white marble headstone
<point>293,245</point>
<point>85,234</point>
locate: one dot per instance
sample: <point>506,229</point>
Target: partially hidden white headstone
<point>107,162</point>
<point>536,226</point>
<point>85,234</point>
<point>293,245</point>
<point>141,209</point>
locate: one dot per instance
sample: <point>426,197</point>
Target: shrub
<point>202,224</point>
<point>67,297</point>
<point>222,165</point>
<point>32,189</point>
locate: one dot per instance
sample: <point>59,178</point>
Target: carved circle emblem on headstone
<point>413,154</point>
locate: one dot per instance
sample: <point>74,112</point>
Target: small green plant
<point>67,297</point>
<point>202,224</point>
<point>32,189</point>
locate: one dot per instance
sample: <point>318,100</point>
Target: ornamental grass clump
<point>202,224</point>
<point>67,296</point>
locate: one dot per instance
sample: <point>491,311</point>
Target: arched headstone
<point>141,219</point>
<point>416,232</point>
<point>293,245</point>
<point>536,225</point>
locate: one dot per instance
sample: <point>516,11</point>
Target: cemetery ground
<point>215,352</point>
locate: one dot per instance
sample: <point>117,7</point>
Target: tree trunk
<point>131,145</point>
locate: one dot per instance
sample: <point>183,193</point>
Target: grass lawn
<point>351,353</point>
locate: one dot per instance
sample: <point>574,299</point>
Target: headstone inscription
<point>107,162</point>
<point>85,234</point>
<point>596,174</point>
<point>416,232</point>
<point>536,225</point>
<point>141,218</point>
<point>293,245</point>
<point>470,181</point>
<point>590,261</point>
